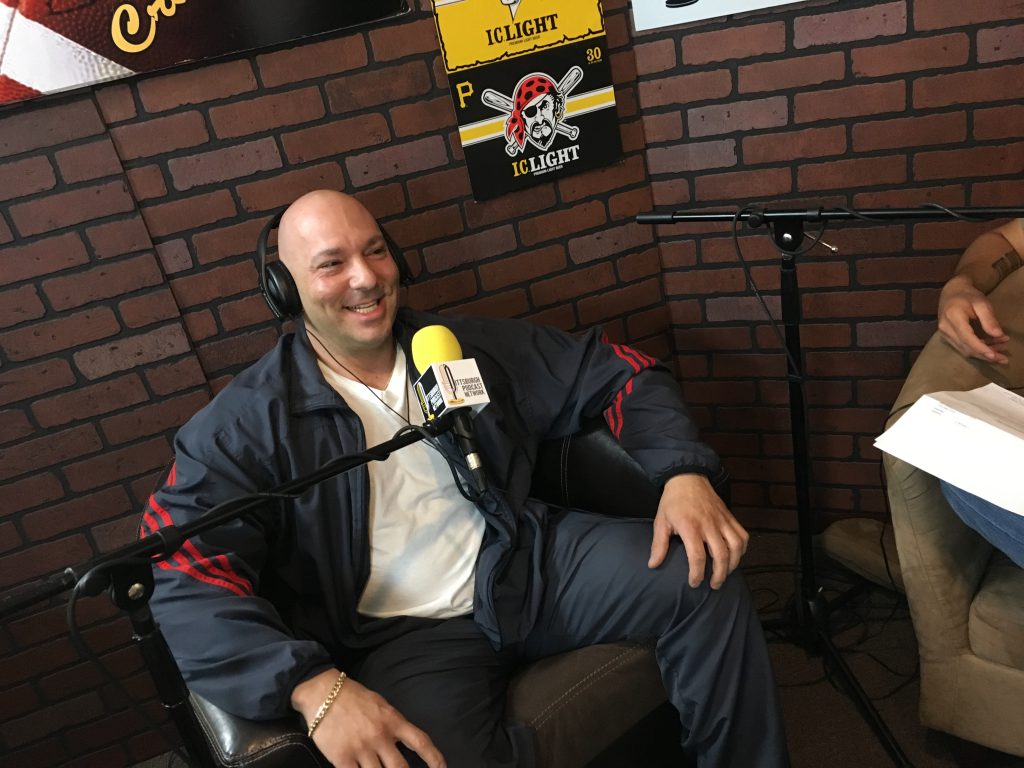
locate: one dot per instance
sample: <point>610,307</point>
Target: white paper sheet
<point>974,440</point>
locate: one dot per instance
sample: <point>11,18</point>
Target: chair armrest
<point>590,470</point>
<point>235,741</point>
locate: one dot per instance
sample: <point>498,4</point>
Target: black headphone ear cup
<point>405,276</point>
<point>281,292</point>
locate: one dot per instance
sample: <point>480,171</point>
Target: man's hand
<point>691,509</point>
<point>960,305</point>
<point>360,729</point>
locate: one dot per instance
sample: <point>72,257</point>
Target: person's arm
<point>963,302</point>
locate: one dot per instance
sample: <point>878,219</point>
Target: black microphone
<point>449,384</point>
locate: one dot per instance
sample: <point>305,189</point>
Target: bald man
<point>389,609</point>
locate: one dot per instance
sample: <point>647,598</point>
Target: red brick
<point>398,40</point>
<point>161,135</point>
<point>551,226</point>
<point>32,380</point>
<point>304,62</point>
<point>689,88</point>
<point>377,86</point>
<point>266,113</point>
<point>14,425</point>
<point>508,304</point>
<point>147,182</point>
<point>812,274</point>
<point>56,335</point>
<point>67,208</point>
<point>335,138</point>
<point>626,205</point>
<point>440,291</point>
<point>600,181</point>
<point>152,419</point>
<point>716,339</point>
<point>722,310</point>
<point>26,177</point>
<point>19,305</point>
<point>794,145</point>
<point>971,87</point>
<point>469,249</point>
<point>117,238</point>
<point>174,377</point>
<point>116,103</point>
<point>880,392</point>
<point>87,401</point>
<point>561,316</point>
<point>522,267</point>
<point>678,253</point>
<point>648,322</point>
<point>102,282</point>
<point>795,72</point>
<point>609,242</point>
<point>939,14</point>
<point>999,122</point>
<point>672,192</point>
<point>829,335</point>
<point>895,333</point>
<point>692,156</point>
<point>772,112</point>
<point>949,195</point>
<point>912,55</point>
<point>209,285</point>
<point>737,42</point>
<point>174,256</point>
<point>33,128</point>
<point>512,206</point>
<point>200,325</point>
<point>398,160</point>
<point>6,235</point>
<point>31,563</point>
<point>619,301</point>
<point>224,242</point>
<point>757,184</point>
<point>425,227</point>
<point>80,512</point>
<point>387,200</point>
<point>705,281</point>
<point>30,492</point>
<point>283,188</point>
<point>87,162</point>
<point>195,86</point>
<point>855,363</point>
<point>947,236</point>
<point>225,164</point>
<point>572,284</point>
<point>252,310</point>
<point>238,350</point>
<point>663,127</point>
<point>1000,43</point>
<point>48,451</point>
<point>848,26</point>
<point>995,193</point>
<point>164,219</point>
<point>114,465</point>
<point>631,133</point>
<point>834,304</point>
<point>438,187</point>
<point>910,131</point>
<point>859,172</point>
<point>623,66</point>
<point>852,101</point>
<point>969,163</point>
<point>658,56</point>
<point>150,308</point>
<point>427,116</point>
<point>132,351</point>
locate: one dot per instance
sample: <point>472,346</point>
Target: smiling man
<point>388,608</point>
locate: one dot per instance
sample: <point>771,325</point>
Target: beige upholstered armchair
<point>966,599</point>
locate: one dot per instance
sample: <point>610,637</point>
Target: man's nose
<point>361,274</point>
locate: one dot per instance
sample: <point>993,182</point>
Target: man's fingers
<point>988,322</point>
<point>695,555</point>
<point>420,743</point>
<point>659,545</point>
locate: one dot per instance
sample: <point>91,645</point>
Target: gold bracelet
<point>326,705</point>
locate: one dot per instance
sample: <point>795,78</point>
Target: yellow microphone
<point>434,347</point>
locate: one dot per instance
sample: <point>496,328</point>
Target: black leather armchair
<point>576,703</point>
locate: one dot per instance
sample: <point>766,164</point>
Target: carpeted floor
<point>824,728</point>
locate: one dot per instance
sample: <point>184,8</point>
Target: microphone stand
<point>127,573</point>
<point>786,228</point>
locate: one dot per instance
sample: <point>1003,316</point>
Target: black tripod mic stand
<point>127,575</point>
<point>787,229</point>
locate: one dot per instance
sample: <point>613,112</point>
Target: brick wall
<point>128,217</point>
<point>865,104</point>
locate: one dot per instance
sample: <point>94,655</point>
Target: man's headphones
<point>278,285</point>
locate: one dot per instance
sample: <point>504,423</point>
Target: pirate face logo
<point>536,110</point>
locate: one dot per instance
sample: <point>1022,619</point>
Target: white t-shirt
<point>424,535</point>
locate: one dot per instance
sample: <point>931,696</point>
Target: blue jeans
<point>1002,528</point>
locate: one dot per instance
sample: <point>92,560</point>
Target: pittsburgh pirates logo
<point>536,110</point>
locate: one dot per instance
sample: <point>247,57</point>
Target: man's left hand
<point>691,509</point>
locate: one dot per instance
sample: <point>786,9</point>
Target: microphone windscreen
<point>434,344</point>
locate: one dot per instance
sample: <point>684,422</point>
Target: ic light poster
<point>532,89</point>
<point>48,46</point>
<point>650,14</point>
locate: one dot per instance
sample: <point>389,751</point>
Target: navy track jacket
<point>256,606</point>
